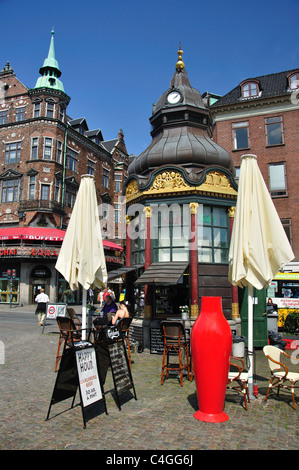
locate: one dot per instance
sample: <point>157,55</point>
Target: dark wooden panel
<point>213,281</point>
<point>214,292</point>
<point>213,270</point>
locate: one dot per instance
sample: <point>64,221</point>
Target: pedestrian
<point>42,299</point>
<point>91,295</point>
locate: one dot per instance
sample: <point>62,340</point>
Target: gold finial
<point>180,64</point>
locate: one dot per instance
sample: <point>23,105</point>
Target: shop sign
<point>287,276</point>
<point>286,302</point>
<point>113,259</point>
<point>8,252</point>
<point>43,252</point>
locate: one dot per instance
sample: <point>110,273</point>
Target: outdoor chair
<point>279,371</point>
<point>175,344</point>
<point>125,324</point>
<point>72,314</point>
<point>238,375</point>
<point>68,334</point>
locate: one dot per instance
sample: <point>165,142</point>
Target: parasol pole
<point>250,340</point>
<point>84,316</point>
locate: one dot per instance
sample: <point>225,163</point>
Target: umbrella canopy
<point>81,259</point>
<point>259,246</point>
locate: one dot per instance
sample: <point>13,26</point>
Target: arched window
<point>294,81</point>
<point>249,89</point>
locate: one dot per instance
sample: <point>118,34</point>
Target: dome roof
<point>181,131</point>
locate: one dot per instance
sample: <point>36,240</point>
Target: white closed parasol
<point>81,259</point>
<point>259,246</point>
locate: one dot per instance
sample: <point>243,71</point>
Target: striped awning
<point>169,273</point>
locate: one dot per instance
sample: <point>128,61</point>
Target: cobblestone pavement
<point>160,419</point>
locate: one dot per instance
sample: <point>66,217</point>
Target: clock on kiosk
<point>174,97</point>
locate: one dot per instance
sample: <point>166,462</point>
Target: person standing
<point>42,299</point>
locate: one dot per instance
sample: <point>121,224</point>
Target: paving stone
<point>160,419</point>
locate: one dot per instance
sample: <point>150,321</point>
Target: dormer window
<point>294,81</point>
<point>250,89</point>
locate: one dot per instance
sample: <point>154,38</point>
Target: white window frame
<point>235,127</point>
<point>31,183</point>
<point>277,190</point>
<point>52,110</point>
<point>33,147</point>
<point>46,147</point>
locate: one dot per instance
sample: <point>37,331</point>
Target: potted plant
<point>184,311</point>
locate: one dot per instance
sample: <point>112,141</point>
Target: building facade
<point>43,153</point>
<point>261,116</point>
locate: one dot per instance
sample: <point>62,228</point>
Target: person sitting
<point>121,313</point>
<point>106,312</point>
<point>271,307</point>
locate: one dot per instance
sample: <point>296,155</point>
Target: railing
<point>36,204</point>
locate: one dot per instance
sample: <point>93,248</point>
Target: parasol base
<point>211,417</point>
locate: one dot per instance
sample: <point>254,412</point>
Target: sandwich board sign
<point>79,369</point>
<point>54,311</point>
<point>88,376</point>
<point>119,363</point>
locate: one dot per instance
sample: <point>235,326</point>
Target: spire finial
<point>180,64</point>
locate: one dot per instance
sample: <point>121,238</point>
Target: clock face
<point>173,97</point>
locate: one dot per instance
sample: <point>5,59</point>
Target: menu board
<point>121,373</point>
<point>78,368</point>
<point>156,341</point>
<point>136,334</point>
<point>88,376</point>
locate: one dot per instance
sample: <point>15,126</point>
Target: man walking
<point>42,299</point>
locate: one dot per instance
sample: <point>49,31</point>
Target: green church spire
<point>50,70</point>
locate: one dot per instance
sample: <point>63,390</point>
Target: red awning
<point>41,233</point>
<point>31,233</point>
<point>112,246</point>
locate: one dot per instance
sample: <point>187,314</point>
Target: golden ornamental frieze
<point>132,190</point>
<point>217,182</point>
<point>169,182</point>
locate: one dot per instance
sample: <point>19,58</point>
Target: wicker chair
<point>238,375</point>
<point>125,327</point>
<point>279,371</point>
<point>68,334</point>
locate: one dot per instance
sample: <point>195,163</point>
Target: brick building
<point>43,153</point>
<point>261,116</point>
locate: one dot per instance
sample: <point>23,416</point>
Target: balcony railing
<point>37,205</point>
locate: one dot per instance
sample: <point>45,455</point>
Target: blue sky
<point>118,56</point>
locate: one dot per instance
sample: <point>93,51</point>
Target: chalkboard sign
<point>121,372</point>
<point>136,334</point>
<point>156,341</point>
<point>79,368</point>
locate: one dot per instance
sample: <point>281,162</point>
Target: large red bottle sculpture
<point>211,345</point>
